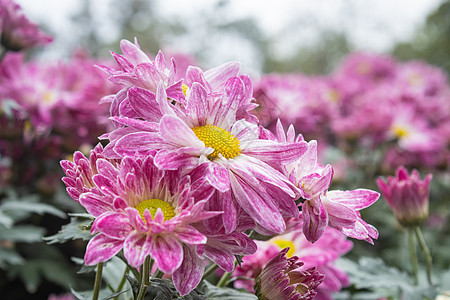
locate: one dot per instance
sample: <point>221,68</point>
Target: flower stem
<point>413,255</point>
<point>224,280</point>
<point>121,283</point>
<point>158,274</point>
<point>426,252</point>
<point>98,281</point>
<point>144,279</point>
<point>210,270</point>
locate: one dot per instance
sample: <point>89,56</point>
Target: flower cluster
<point>369,101</point>
<point>16,31</point>
<point>188,172</point>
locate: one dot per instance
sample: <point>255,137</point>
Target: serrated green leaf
<point>212,292</point>
<point>22,233</point>
<point>32,207</point>
<point>76,229</point>
<point>9,257</point>
<point>373,275</point>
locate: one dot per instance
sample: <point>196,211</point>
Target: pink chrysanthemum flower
<point>322,208</point>
<point>211,136</point>
<point>282,278</point>
<point>407,196</point>
<point>80,171</point>
<point>306,102</point>
<point>16,31</point>
<point>147,212</point>
<point>136,69</point>
<point>321,255</point>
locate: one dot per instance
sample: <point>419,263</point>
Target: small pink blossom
<point>407,195</point>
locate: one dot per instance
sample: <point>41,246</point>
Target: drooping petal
<point>189,274</point>
<point>315,219</point>
<point>101,248</point>
<point>167,252</point>
<point>263,212</point>
<point>136,248</point>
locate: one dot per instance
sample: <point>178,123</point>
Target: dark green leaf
<point>32,207</point>
<point>9,257</point>
<point>22,233</point>
<point>76,229</point>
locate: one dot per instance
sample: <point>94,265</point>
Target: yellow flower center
<point>185,88</point>
<point>219,139</point>
<point>152,205</point>
<point>333,96</point>
<point>285,243</point>
<point>400,132</point>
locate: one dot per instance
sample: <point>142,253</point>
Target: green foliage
<point>432,42</point>
<point>78,228</point>
<point>214,293</point>
<point>372,278</point>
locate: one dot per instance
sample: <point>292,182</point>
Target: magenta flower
<point>282,278</point>
<point>62,98</point>
<point>16,31</point>
<point>322,208</point>
<point>212,137</point>
<point>147,212</point>
<point>407,196</point>
<point>321,255</point>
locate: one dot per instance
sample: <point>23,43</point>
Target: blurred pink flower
<point>407,195</point>
<point>16,31</point>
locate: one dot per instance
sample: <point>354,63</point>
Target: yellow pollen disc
<point>152,205</point>
<point>219,139</point>
<point>400,131</point>
<point>48,97</point>
<point>333,96</point>
<point>285,243</point>
<point>185,88</point>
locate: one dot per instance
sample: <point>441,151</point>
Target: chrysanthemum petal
<point>136,248</point>
<point>355,199</point>
<point>101,248</point>
<point>167,252</point>
<point>189,274</point>
<point>261,211</point>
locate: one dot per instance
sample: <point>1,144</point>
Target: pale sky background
<point>371,25</point>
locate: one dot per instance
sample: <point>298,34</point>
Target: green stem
<point>98,281</point>
<point>413,255</point>
<point>122,283</point>
<point>158,274</point>
<point>224,280</point>
<point>209,271</point>
<point>426,252</point>
<point>144,278</point>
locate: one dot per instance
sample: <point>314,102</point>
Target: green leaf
<point>76,229</point>
<point>22,233</point>
<point>9,257</point>
<point>371,274</point>
<point>214,293</point>
<point>6,220</point>
<point>32,207</point>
